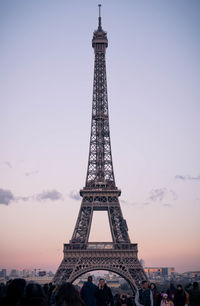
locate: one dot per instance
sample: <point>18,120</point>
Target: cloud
<point>6,196</point>
<point>140,204</point>
<point>25,199</point>
<point>162,194</point>
<point>31,173</point>
<point>127,202</point>
<point>180,177</point>
<point>74,195</point>
<point>157,194</point>
<point>52,195</point>
<point>188,177</point>
<point>173,194</point>
<point>8,164</point>
<point>167,205</point>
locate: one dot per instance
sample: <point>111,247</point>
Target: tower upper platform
<point>99,36</point>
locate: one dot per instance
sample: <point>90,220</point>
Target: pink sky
<point>46,96</point>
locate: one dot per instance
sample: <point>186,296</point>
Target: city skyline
<point>46,97</point>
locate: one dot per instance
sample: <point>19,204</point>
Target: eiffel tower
<point>100,194</point>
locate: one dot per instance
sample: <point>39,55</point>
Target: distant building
<point>192,274</point>
<point>113,283</point>
<point>42,273</point>
<point>14,273</point>
<point>3,273</point>
<point>159,272</point>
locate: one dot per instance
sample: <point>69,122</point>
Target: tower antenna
<point>99,28</point>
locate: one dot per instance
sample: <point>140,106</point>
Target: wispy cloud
<point>8,164</point>
<point>53,195</point>
<point>31,173</point>
<point>173,195</point>
<point>188,177</point>
<point>157,194</point>
<point>6,196</point>
<point>140,204</point>
<point>167,205</point>
<point>74,195</point>
<point>163,194</point>
<point>127,203</point>
<point>25,199</point>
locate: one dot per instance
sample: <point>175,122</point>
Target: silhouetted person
<point>194,295</point>
<point>171,292</point>
<point>129,300</point>
<point>103,294</point>
<point>180,296</point>
<point>117,301</point>
<point>144,295</point>
<point>123,299</point>
<point>34,295</point>
<point>14,292</point>
<point>2,291</point>
<point>88,292</point>
<point>67,295</point>
<point>156,295</point>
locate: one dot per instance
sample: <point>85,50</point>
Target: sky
<point>46,82</point>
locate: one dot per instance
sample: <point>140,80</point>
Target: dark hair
<point>34,290</point>
<point>153,284</point>
<point>90,278</point>
<point>67,293</point>
<point>179,285</point>
<point>144,282</point>
<point>15,290</point>
<point>195,285</point>
<point>34,294</point>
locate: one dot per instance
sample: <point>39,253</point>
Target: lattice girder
<point>122,262</point>
<point>100,193</point>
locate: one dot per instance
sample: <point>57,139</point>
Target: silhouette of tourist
<point>129,300</point>
<point>194,294</point>
<point>67,295</point>
<point>180,296</point>
<point>117,301</point>
<point>88,292</point>
<point>14,292</point>
<point>123,299</point>
<point>171,292</point>
<point>144,295</point>
<point>34,294</point>
<point>103,294</point>
<point>156,295</point>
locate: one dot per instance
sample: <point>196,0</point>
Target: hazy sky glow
<point>46,71</point>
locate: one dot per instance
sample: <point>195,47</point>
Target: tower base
<point>120,259</point>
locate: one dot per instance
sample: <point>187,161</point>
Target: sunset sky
<point>46,81</point>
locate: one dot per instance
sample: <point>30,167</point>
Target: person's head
<point>34,290</point>
<point>66,293</point>
<point>102,282</point>
<point>152,286</point>
<point>179,287</point>
<point>164,296</point>
<point>90,278</point>
<point>15,288</point>
<point>195,285</point>
<point>144,284</point>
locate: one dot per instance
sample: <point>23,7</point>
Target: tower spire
<point>100,194</point>
<point>99,27</point>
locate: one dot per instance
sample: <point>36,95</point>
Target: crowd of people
<point>174,296</point>
<point>19,293</point>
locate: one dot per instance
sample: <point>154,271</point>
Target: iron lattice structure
<point>100,193</point>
